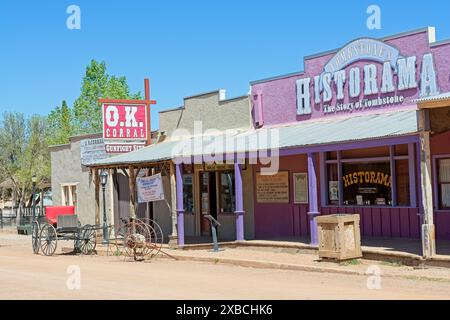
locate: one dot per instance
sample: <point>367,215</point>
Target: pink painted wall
<point>274,220</point>
<point>291,220</point>
<point>279,96</point>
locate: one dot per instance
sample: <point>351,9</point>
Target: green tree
<point>97,83</point>
<point>59,125</point>
<point>36,158</point>
<point>23,152</point>
<point>12,145</point>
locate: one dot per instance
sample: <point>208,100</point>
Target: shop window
<point>333,184</point>
<point>366,153</point>
<point>226,192</point>
<point>444,183</point>
<point>332,155</point>
<point>401,150</point>
<point>367,184</point>
<point>188,193</point>
<point>69,195</point>
<point>402,180</point>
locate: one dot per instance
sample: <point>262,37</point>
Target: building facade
<point>363,129</point>
<point>361,104</point>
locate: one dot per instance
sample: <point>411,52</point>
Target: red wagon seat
<point>52,213</point>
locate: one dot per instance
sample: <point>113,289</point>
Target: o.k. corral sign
<point>125,126</point>
<point>125,122</point>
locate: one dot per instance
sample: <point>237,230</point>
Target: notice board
<point>272,188</point>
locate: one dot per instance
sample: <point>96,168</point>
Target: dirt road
<point>27,276</point>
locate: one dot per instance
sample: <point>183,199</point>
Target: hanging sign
<point>92,150</point>
<point>150,189</point>
<point>124,122</point>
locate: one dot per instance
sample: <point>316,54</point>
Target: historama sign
<point>383,79</point>
<point>365,75</point>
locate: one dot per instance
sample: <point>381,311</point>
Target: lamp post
<point>103,181</point>
<point>33,200</point>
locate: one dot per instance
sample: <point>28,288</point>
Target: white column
<point>428,232</point>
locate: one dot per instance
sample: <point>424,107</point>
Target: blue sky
<point>185,47</point>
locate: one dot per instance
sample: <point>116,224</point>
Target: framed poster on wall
<point>272,188</point>
<point>300,187</point>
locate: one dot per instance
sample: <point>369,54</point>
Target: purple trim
<point>412,176</point>
<point>376,142</point>
<point>239,203</point>
<point>180,209</point>
<point>323,180</point>
<point>419,181</point>
<point>312,194</point>
<point>340,186</point>
<point>393,176</point>
<point>350,145</point>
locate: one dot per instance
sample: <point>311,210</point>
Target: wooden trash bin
<point>339,236</point>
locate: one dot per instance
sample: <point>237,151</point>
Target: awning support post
<point>312,195</point>
<point>428,230</point>
<point>180,206</point>
<point>239,202</point>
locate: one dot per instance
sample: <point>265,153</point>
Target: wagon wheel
<point>119,241</point>
<point>35,239</point>
<point>136,240</point>
<point>156,236</point>
<point>88,239</point>
<point>48,239</point>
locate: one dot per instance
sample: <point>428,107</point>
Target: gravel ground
<point>27,276</point>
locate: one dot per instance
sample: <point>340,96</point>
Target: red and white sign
<point>119,148</point>
<point>124,122</point>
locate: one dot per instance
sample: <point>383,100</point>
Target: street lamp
<point>103,181</point>
<point>33,190</point>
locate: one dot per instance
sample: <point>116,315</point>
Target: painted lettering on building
<point>124,122</point>
<point>382,83</point>
<point>367,177</point>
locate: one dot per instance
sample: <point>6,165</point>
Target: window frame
<point>437,183</point>
<point>392,158</point>
<point>72,196</point>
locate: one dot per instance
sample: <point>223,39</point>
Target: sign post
<point>127,123</point>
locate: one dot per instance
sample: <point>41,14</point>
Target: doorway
<point>208,200</point>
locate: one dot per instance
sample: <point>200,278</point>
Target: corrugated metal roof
<point>309,133</point>
<point>437,97</point>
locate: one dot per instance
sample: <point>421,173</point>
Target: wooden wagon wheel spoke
<point>35,237</point>
<point>48,239</point>
<point>88,240</point>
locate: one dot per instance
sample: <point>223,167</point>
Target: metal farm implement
<point>45,236</point>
